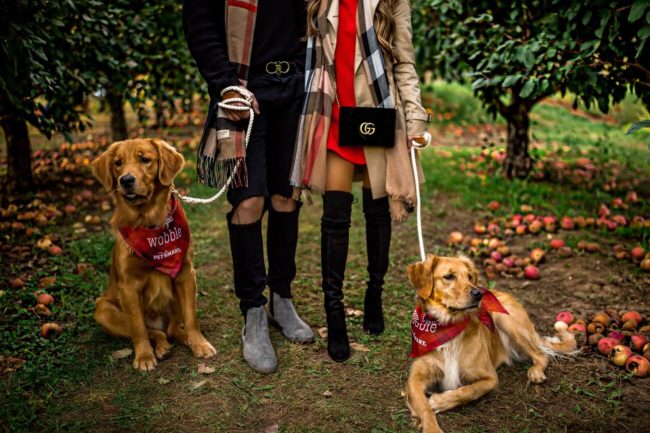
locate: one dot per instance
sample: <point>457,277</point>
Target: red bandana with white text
<point>428,334</point>
<point>163,248</point>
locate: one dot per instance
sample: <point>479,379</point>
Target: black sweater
<point>279,29</point>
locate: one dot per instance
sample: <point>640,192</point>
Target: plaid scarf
<point>163,248</point>
<point>428,333</point>
<point>308,170</point>
<point>223,142</point>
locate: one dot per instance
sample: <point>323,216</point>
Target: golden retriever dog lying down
<point>152,285</point>
<point>462,333</point>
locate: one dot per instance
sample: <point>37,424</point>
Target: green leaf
<point>528,89</point>
<point>511,80</point>
<point>637,10</point>
<point>638,125</point>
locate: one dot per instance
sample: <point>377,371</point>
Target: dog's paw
<point>145,361</point>
<point>202,347</point>
<point>162,349</point>
<point>536,375</point>
<point>439,402</point>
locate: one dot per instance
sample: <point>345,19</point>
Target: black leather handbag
<point>364,126</point>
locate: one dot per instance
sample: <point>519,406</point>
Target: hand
<point>422,140</point>
<point>237,115</point>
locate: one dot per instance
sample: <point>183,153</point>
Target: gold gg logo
<point>367,128</point>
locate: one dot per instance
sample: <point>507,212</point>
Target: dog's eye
<point>144,159</point>
<point>449,277</point>
<point>118,163</point>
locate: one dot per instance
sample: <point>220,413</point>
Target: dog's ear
<point>170,162</point>
<point>102,170</point>
<point>421,276</point>
<point>474,274</point>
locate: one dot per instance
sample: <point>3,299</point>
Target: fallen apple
<point>638,342</point>
<point>578,328</point>
<point>630,325</point>
<point>42,310</point>
<point>49,330</point>
<point>637,253</point>
<point>45,299</point>
<point>535,226</point>
<point>592,247</point>
<point>632,315</point>
<point>509,262</point>
<point>567,223</point>
<point>532,273</point>
<point>455,238</point>
<point>556,244</point>
<point>537,255</point>
<point>55,250</point>
<point>496,256</point>
<point>645,265</point>
<point>565,252</point>
<point>638,365</point>
<point>564,316</point>
<point>619,354</point>
<point>480,229</point>
<point>521,229</point>
<point>605,345</point>
<point>615,335</point>
<point>596,328</point>
<point>494,205</point>
<point>594,339</point>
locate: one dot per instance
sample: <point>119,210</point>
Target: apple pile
<point>42,309</point>
<point>621,336</point>
<point>636,254</point>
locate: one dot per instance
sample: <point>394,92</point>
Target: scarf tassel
<point>215,173</point>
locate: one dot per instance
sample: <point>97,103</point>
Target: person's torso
<point>279,32</point>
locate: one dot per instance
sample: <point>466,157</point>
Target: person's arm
<point>204,27</point>
<point>406,78</point>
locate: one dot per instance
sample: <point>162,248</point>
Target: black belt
<point>279,68</point>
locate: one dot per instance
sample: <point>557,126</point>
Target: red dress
<point>346,42</point>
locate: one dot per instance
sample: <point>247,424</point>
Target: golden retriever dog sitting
<point>461,334</point>
<point>152,285</point>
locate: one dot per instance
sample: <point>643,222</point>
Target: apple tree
<point>517,53</point>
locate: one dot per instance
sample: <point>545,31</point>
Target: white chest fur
<point>450,352</point>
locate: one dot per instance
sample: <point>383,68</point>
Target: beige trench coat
<point>402,80</point>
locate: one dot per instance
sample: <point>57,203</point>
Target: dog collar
<point>427,333</point>
<point>163,248</point>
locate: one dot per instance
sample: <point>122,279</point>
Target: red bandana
<point>427,333</point>
<point>163,248</point>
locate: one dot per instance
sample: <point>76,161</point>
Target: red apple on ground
<point>603,211</point>
<point>567,223</point>
<point>564,316</point>
<point>594,339</point>
<point>592,247</point>
<point>55,250</point>
<point>49,330</point>
<point>638,365</point>
<point>494,205</point>
<point>638,342</point>
<point>45,299</point>
<point>535,226</point>
<point>537,255</point>
<point>496,256</point>
<point>565,252</point>
<point>637,253</point>
<point>632,315</point>
<point>455,238</point>
<point>480,229</point>
<point>556,244</point>
<point>578,328</point>
<point>520,229</point>
<point>615,335</point>
<point>532,273</point>
<point>605,345</point>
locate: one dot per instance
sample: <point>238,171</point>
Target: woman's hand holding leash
<point>233,96</point>
<point>419,141</point>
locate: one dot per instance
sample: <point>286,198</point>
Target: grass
<point>72,384</point>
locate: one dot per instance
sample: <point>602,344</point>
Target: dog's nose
<point>476,294</point>
<point>127,180</point>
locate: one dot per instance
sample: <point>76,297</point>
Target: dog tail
<point>563,343</point>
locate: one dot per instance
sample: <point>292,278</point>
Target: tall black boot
<point>335,230</point>
<point>247,247</point>
<point>378,232</point>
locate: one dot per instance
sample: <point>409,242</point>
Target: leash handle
<point>418,205</point>
<point>247,104</point>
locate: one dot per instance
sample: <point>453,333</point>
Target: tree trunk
<point>160,114</point>
<point>518,162</point>
<point>115,102</point>
<point>19,155</point>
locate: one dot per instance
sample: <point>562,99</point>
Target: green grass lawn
<point>71,383</point>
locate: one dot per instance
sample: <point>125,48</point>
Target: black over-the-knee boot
<point>378,232</point>
<point>335,230</point>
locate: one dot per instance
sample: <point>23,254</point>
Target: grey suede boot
<point>283,313</point>
<point>258,351</point>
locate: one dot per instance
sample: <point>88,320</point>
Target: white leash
<point>247,104</point>
<point>418,204</point>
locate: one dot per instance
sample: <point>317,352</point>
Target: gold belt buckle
<point>277,68</point>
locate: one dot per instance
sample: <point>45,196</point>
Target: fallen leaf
<point>323,332</point>
<point>327,394</point>
<point>197,385</point>
<point>44,243</point>
<point>203,369</point>
<point>360,347</point>
<point>163,381</point>
<point>122,353</point>
<point>349,311</point>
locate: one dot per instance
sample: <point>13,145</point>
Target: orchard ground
<point>73,383</point>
